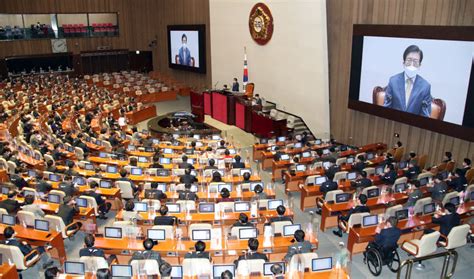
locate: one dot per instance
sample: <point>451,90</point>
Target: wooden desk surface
<point>243,195</point>
<point>8,271</point>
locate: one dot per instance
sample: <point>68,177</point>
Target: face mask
<point>184,45</point>
<point>411,71</point>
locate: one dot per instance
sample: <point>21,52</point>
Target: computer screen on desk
<point>267,268</point>
<point>141,207</point>
<point>136,171</point>
<point>401,214</point>
<point>320,264</point>
<point>53,198</point>
<point>273,204</point>
<point>247,233</point>
<point>173,207</point>
<point>76,268</point>
<point>370,220</point>
<point>206,207</point>
<point>290,230</point>
<point>123,271</point>
<point>429,208</point>
<point>343,197</point>
<point>156,234</point>
<point>320,180</point>
<point>41,225</point>
<point>8,220</point>
<point>241,206</point>
<point>201,235</point>
<point>112,232</point>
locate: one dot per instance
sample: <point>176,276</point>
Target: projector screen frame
<point>201,29</point>
<point>457,33</point>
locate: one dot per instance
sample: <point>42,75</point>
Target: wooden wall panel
<point>360,128</point>
<point>140,21</point>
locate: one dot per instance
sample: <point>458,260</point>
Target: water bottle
<point>342,256</point>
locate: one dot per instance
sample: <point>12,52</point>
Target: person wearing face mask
<point>184,54</point>
<point>408,91</point>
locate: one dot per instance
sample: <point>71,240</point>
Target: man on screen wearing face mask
<point>184,54</point>
<point>408,91</point>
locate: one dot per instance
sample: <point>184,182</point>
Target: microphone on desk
<point>215,85</point>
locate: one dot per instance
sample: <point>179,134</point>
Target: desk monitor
<point>429,208</point>
<point>224,185</point>
<point>400,187</point>
<point>162,187</point>
<point>8,220</point>
<point>423,181</point>
<point>121,271</point>
<point>156,234</point>
<point>321,264</point>
<point>31,173</point>
<point>351,175</point>
<point>37,156</point>
<point>54,177</point>
<point>176,136</point>
<point>247,233</point>
<point>41,225</point>
<point>142,159</point>
<point>165,161</point>
<point>103,155</point>
<point>53,198</point>
<point>76,268</point>
<point>141,207</point>
<point>298,145</point>
<point>326,151</point>
<point>379,170</point>
<point>70,149</point>
<point>285,157</point>
<point>402,164</point>
<point>444,174</point>
<point>273,204</point>
<point>112,232</point>
<point>155,141</point>
<point>105,184</point>
<point>273,148</point>
<point>173,207</point>
<point>271,141</point>
<point>401,214</point>
<point>218,269</point>
<point>89,166</point>
<point>326,164</point>
<point>176,272</point>
<point>243,171</point>
<point>111,169</point>
<point>317,141</point>
<point>167,151</point>
<point>300,167</point>
<point>199,144</point>
<point>216,137</point>
<point>350,160</point>
<point>190,161</point>
<point>162,172</point>
<point>241,206</point>
<point>343,197</point>
<point>5,190</point>
<point>131,148</point>
<point>198,137</point>
<point>136,171</point>
<point>98,142</point>
<point>29,193</point>
<point>79,180</point>
<point>290,230</point>
<point>455,200</point>
<point>263,141</point>
<point>370,220</point>
<point>232,151</point>
<point>471,196</point>
<point>370,156</point>
<point>373,193</point>
<point>281,139</point>
<point>201,235</point>
<point>320,180</point>
<point>206,207</point>
<point>267,268</point>
<point>306,154</point>
<point>81,202</point>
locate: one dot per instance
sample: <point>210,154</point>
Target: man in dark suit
<point>331,171</point>
<point>41,185</point>
<point>211,165</point>
<point>238,164</point>
<point>25,248</point>
<point>235,85</point>
<point>91,251</point>
<point>187,194</point>
<point>360,164</point>
<point>362,180</point>
<point>102,206</point>
<point>359,208</point>
<point>188,177</point>
<point>67,210</point>
<point>184,55</point>
<point>387,235</point>
<point>252,253</point>
<point>148,254</point>
<point>413,171</point>
<point>439,188</point>
<point>199,252</point>
<point>156,163</point>
<point>154,193</point>
<point>447,220</point>
<point>16,179</point>
<point>123,177</point>
<point>70,170</point>
<point>243,221</point>
<point>466,165</point>
<point>300,246</point>
<point>390,175</point>
<point>11,205</point>
<point>185,164</point>
<point>415,195</point>
<point>408,91</point>
<point>458,182</point>
<point>163,219</point>
<point>79,143</point>
<point>327,186</point>
<point>281,215</point>
<point>67,187</point>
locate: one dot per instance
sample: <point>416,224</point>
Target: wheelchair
<point>376,257</point>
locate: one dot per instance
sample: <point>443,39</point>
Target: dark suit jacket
<point>458,183</point>
<point>389,177</point>
<point>413,197</point>
<point>147,255</point>
<point>298,248</point>
<point>357,209</point>
<point>19,181</point>
<point>251,256</point>
<point>154,194</point>
<point>11,206</point>
<point>420,98</point>
<point>280,219</point>
<point>25,249</point>
<point>43,187</point>
<point>359,166</point>
<point>91,252</point>
<point>238,165</point>
<point>187,178</point>
<point>185,165</point>
<point>67,188</point>
<point>412,173</point>
<point>332,171</point>
<point>210,168</point>
<point>67,212</point>
<point>363,183</point>
<point>438,191</point>
<point>447,222</point>
<point>197,255</point>
<point>388,238</point>
<point>328,186</point>
<point>97,197</point>
<point>187,195</point>
<point>164,221</point>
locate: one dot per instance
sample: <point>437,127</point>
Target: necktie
<point>408,90</point>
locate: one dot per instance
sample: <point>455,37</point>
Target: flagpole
<point>246,73</point>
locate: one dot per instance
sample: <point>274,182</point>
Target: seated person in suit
<point>11,205</point>
<point>390,175</point>
<point>91,251</point>
<point>154,193</point>
<point>67,187</point>
<point>439,189</point>
<point>415,195</point>
<point>466,165</point>
<point>448,157</point>
<point>148,253</point>
<point>259,193</point>
<point>360,163</point>
<point>51,167</point>
<point>102,206</point>
<point>246,177</point>
<point>362,181</point>
<point>235,85</point>
<point>281,215</point>
<point>211,165</point>
<point>41,185</point>
<point>25,248</point>
<point>388,159</point>
<point>51,273</point>
<point>413,171</point>
<point>446,220</point>
<point>30,206</point>
<point>199,253</point>
<point>165,270</point>
<point>188,177</point>
<point>129,214</point>
<point>187,194</point>
<point>67,210</point>
<point>70,171</point>
<point>252,253</point>
<point>457,181</point>
<point>238,164</point>
<point>359,208</point>
<point>243,221</point>
<point>327,186</point>
<point>412,158</point>
<point>19,181</point>
<point>300,246</point>
<point>123,177</point>
<point>387,235</point>
<point>332,169</point>
<point>134,162</point>
<point>225,195</point>
<point>163,219</point>
<point>156,163</point>
<point>221,145</point>
<point>216,177</point>
<point>185,164</point>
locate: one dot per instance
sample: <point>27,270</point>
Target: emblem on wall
<point>261,24</point>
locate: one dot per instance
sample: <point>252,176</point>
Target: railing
<point>446,264</point>
<point>296,116</point>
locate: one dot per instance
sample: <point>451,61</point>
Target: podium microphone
<point>215,85</point>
